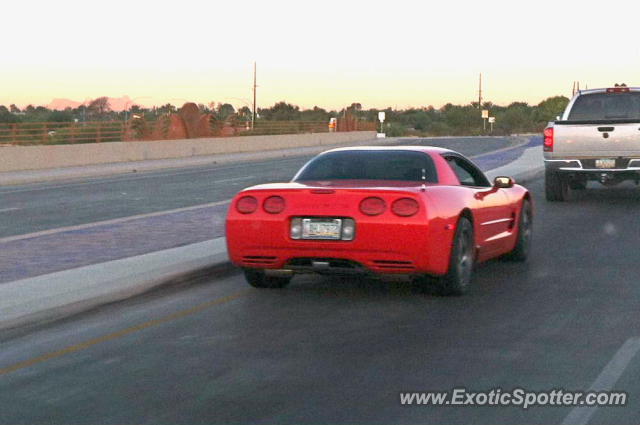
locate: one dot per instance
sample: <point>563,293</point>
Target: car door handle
<point>607,129</point>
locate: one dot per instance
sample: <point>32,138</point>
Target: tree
<point>315,114</point>
<point>99,107</point>
<point>415,118</point>
<point>244,112</point>
<point>36,114</point>
<point>281,111</point>
<point>60,116</point>
<point>14,109</point>
<point>224,111</point>
<point>167,109</point>
<point>549,108</point>
<point>6,116</point>
<point>516,118</point>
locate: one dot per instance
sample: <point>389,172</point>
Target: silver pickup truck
<point>597,138</point>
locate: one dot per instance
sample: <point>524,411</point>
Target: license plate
<point>605,163</point>
<point>321,228</point>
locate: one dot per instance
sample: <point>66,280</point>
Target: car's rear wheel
<point>259,279</point>
<point>525,227</point>
<point>458,278</point>
<point>556,186</point>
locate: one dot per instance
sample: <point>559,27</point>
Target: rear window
<point>370,165</point>
<point>606,106</point>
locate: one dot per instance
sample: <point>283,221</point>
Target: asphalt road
<point>37,207</point>
<point>327,350</point>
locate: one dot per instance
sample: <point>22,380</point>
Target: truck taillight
<point>548,140</point>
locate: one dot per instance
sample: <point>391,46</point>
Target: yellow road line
<point>105,338</point>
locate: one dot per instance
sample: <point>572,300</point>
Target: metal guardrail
<point>52,133</point>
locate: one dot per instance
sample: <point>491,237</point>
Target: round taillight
<point>273,204</point>
<point>372,206</point>
<point>405,207</point>
<point>247,205</point>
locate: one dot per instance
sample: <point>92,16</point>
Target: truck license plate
<point>605,163</point>
<point>321,228</point>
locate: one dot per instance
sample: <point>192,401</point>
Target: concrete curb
<point>57,295</point>
<point>45,298</point>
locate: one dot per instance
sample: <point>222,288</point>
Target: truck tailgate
<point>596,140</point>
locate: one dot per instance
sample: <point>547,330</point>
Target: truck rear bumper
<point>588,166</point>
<point>584,170</point>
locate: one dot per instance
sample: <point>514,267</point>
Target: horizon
<point>121,101</point>
<point>403,56</point>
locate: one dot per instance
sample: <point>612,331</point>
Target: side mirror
<point>558,117</point>
<point>502,182</point>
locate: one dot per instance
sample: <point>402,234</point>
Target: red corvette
<point>417,211</point>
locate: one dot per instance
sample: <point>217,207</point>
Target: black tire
<point>556,187</point>
<point>525,226</point>
<point>577,184</point>
<point>458,278</point>
<point>258,279</point>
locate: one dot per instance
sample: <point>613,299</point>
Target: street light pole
<point>480,92</point>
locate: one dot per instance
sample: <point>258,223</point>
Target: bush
<point>394,129</point>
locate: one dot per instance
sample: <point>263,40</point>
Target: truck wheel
<point>556,186</point>
<point>578,184</point>
<point>523,245</point>
<point>458,278</point>
<point>258,279</point>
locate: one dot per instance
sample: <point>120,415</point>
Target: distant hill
<point>116,103</point>
<point>62,104</point>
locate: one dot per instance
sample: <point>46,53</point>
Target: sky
<point>330,54</point>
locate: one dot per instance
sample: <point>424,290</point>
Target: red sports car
<point>412,210</point>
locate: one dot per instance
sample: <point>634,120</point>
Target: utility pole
<point>480,92</point>
<point>253,116</point>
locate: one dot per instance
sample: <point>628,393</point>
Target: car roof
<point>424,149</point>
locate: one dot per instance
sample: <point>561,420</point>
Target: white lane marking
<point>606,380</point>
<point>8,209</point>
<point>113,221</point>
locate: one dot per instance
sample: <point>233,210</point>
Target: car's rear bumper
<point>381,248</point>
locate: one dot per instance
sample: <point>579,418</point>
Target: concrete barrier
<point>21,158</point>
